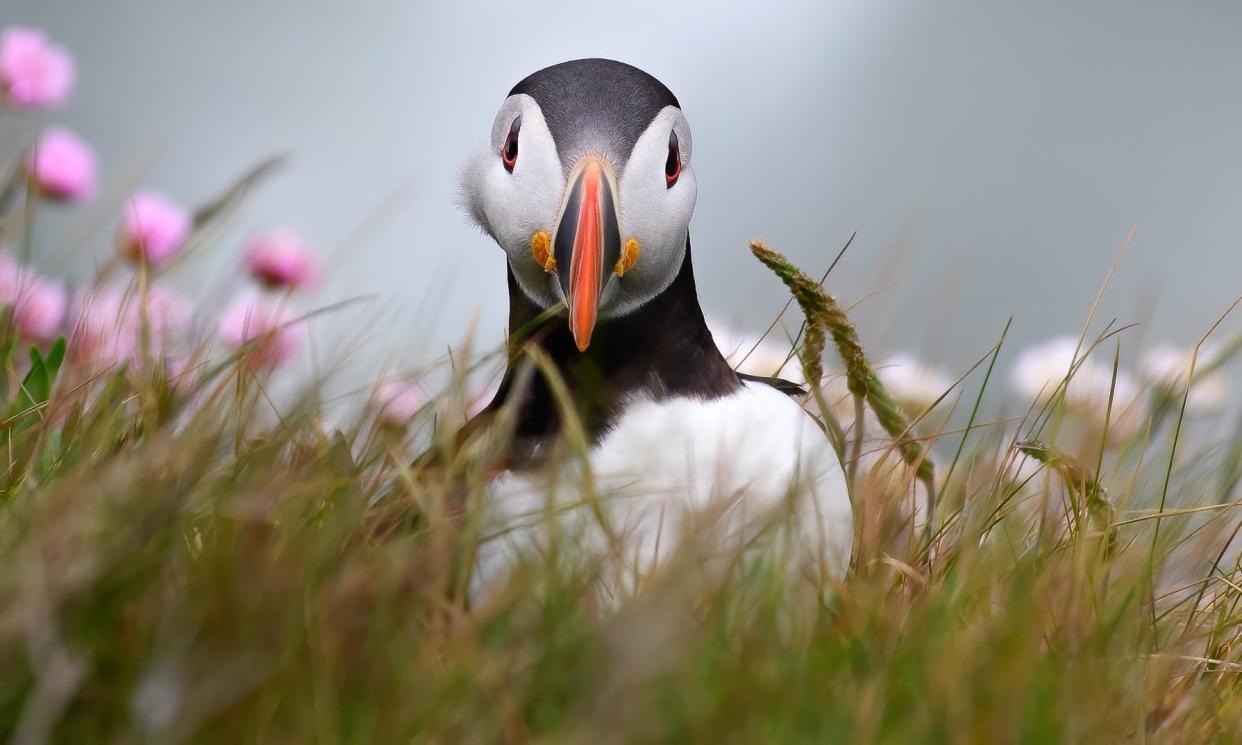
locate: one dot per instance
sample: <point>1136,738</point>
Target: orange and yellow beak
<point>587,240</point>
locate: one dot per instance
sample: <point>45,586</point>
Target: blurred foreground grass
<point>178,563</point>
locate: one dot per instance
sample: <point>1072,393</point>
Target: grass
<point>186,557</point>
<point>179,563</point>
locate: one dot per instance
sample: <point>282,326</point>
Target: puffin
<point>588,185</point>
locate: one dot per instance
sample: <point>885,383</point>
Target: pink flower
<point>183,372</point>
<point>34,73</point>
<point>103,334</point>
<point>40,312</point>
<point>264,326</point>
<point>113,328</point>
<point>281,259</point>
<point>38,304</point>
<point>153,229</point>
<point>158,324</point>
<point>398,401</point>
<point>166,314</point>
<point>62,166</point>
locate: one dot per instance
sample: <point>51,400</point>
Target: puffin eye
<point>672,166</point>
<point>509,153</point>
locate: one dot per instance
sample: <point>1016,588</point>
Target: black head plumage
<point>591,101</point>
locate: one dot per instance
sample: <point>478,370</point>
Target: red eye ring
<point>672,166</point>
<point>509,151</point>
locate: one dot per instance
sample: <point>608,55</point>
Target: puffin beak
<point>587,240</point>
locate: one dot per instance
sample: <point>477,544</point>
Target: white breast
<point>727,467</point>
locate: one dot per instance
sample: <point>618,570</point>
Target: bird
<point>588,185</point>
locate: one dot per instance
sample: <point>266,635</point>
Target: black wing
<point>784,386</point>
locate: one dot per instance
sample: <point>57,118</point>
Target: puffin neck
<point>662,349</point>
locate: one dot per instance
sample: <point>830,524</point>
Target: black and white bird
<point>588,185</point>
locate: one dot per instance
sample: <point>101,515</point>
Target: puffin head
<point>587,185</point>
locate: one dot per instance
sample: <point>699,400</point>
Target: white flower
<point>1040,371</point>
<point>1129,405</point>
<point>1168,367</point>
<point>914,384</point>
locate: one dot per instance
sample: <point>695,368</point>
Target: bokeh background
<point>992,159</point>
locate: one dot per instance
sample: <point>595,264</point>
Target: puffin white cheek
<point>658,217</point>
<point>668,234</point>
<point>475,191</point>
<point>516,205</point>
<point>682,198</point>
<point>511,204</point>
<point>520,204</point>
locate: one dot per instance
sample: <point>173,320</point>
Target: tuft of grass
<point>189,563</point>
